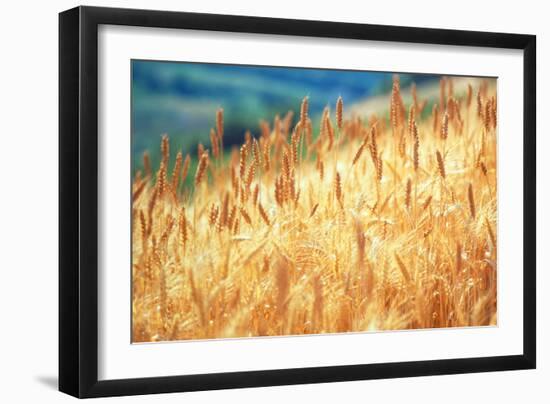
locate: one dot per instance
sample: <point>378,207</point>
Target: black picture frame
<point>78,201</point>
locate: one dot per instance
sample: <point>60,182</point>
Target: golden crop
<point>375,224</point>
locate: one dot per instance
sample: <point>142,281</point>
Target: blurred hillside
<point>180,99</point>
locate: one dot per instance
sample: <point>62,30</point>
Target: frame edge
<point>529,201</point>
<point>69,81</point>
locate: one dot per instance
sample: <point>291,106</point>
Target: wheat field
<point>346,224</point>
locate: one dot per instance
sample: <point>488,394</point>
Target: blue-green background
<point>181,99</point>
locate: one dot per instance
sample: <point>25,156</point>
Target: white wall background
<point>28,202</point>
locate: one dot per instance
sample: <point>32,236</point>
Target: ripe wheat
<point>296,234</point>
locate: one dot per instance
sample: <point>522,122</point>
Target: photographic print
<point>278,201</point>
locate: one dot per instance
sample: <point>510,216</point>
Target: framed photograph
<point>251,201</point>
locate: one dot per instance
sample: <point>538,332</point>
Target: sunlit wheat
<point>385,223</point>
